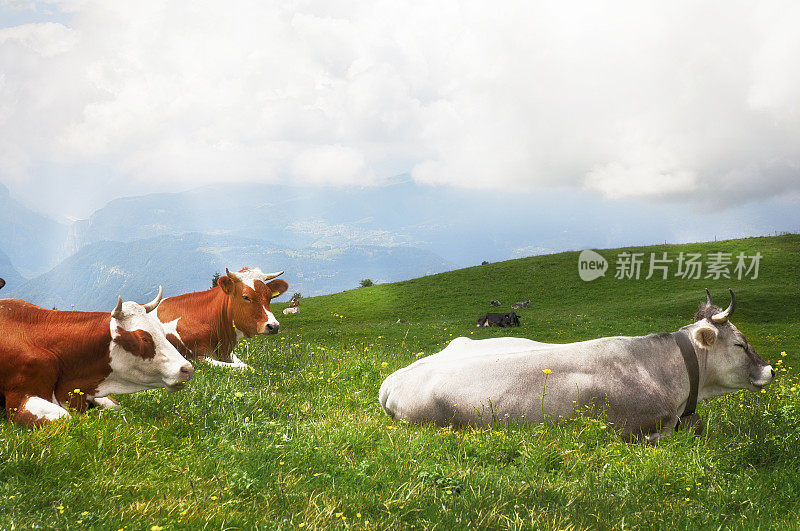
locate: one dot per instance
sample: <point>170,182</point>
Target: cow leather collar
<point>692,367</point>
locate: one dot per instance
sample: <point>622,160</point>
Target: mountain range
<point>326,238</point>
<point>93,277</point>
<point>29,239</point>
<point>179,240</point>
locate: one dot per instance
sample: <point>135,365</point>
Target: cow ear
<point>277,287</point>
<point>226,284</point>
<point>705,336</point>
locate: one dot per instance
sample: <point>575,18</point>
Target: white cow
<point>642,382</point>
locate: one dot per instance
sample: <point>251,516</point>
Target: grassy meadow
<point>302,442</point>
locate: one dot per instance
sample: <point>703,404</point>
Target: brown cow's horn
<point>232,276</point>
<point>152,305</point>
<point>709,300</point>
<point>116,313</point>
<point>724,316</point>
<point>270,276</point>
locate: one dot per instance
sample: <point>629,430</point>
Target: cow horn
<point>270,276</point>
<point>116,313</point>
<point>153,304</point>
<point>709,300</point>
<point>232,276</point>
<point>724,316</point>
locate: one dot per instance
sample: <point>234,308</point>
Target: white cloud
<point>632,99</point>
<point>332,165</point>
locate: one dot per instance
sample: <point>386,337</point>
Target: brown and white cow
<point>52,360</point>
<point>207,324</point>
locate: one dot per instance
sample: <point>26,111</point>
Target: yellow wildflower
<point>547,371</point>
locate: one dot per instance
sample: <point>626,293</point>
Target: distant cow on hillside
<point>518,305</point>
<point>294,307</point>
<point>498,319</point>
<point>495,303</point>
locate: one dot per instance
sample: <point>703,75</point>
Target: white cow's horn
<point>232,276</point>
<point>709,300</point>
<point>153,304</point>
<point>116,313</point>
<point>724,316</point>
<point>270,276</point>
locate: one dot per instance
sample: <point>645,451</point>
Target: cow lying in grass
<point>645,384</point>
<point>206,325</point>
<point>498,319</point>
<point>51,360</point>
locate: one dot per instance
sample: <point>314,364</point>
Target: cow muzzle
<point>762,378</point>
<point>269,328</point>
<point>185,374</point>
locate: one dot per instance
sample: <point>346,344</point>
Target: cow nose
<point>773,372</point>
<point>186,372</point>
<point>273,327</point>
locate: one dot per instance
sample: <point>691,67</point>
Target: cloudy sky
<point>646,103</point>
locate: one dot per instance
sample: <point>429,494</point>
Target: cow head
<point>249,292</point>
<point>732,363</point>
<point>141,356</point>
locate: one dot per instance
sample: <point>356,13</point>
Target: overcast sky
<point>633,101</point>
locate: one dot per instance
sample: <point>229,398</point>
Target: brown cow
<point>207,324</point>
<point>51,360</point>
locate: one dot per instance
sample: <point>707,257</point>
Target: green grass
<point>302,440</point>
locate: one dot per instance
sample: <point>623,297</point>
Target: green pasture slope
<point>303,442</point>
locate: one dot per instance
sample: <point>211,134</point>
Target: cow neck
<point>692,368</point>
<point>224,330</point>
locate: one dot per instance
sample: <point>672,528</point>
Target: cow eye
<point>738,345</point>
<point>245,297</point>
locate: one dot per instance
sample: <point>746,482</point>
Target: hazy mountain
<point>30,239</point>
<point>93,277</point>
<point>9,274</point>
<point>399,212</point>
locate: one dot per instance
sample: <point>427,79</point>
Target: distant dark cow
<point>206,325</point>
<point>499,319</point>
<point>53,361</point>
<point>495,303</point>
<point>2,283</point>
<point>518,305</point>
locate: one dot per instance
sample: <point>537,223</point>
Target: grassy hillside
<point>302,440</point>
